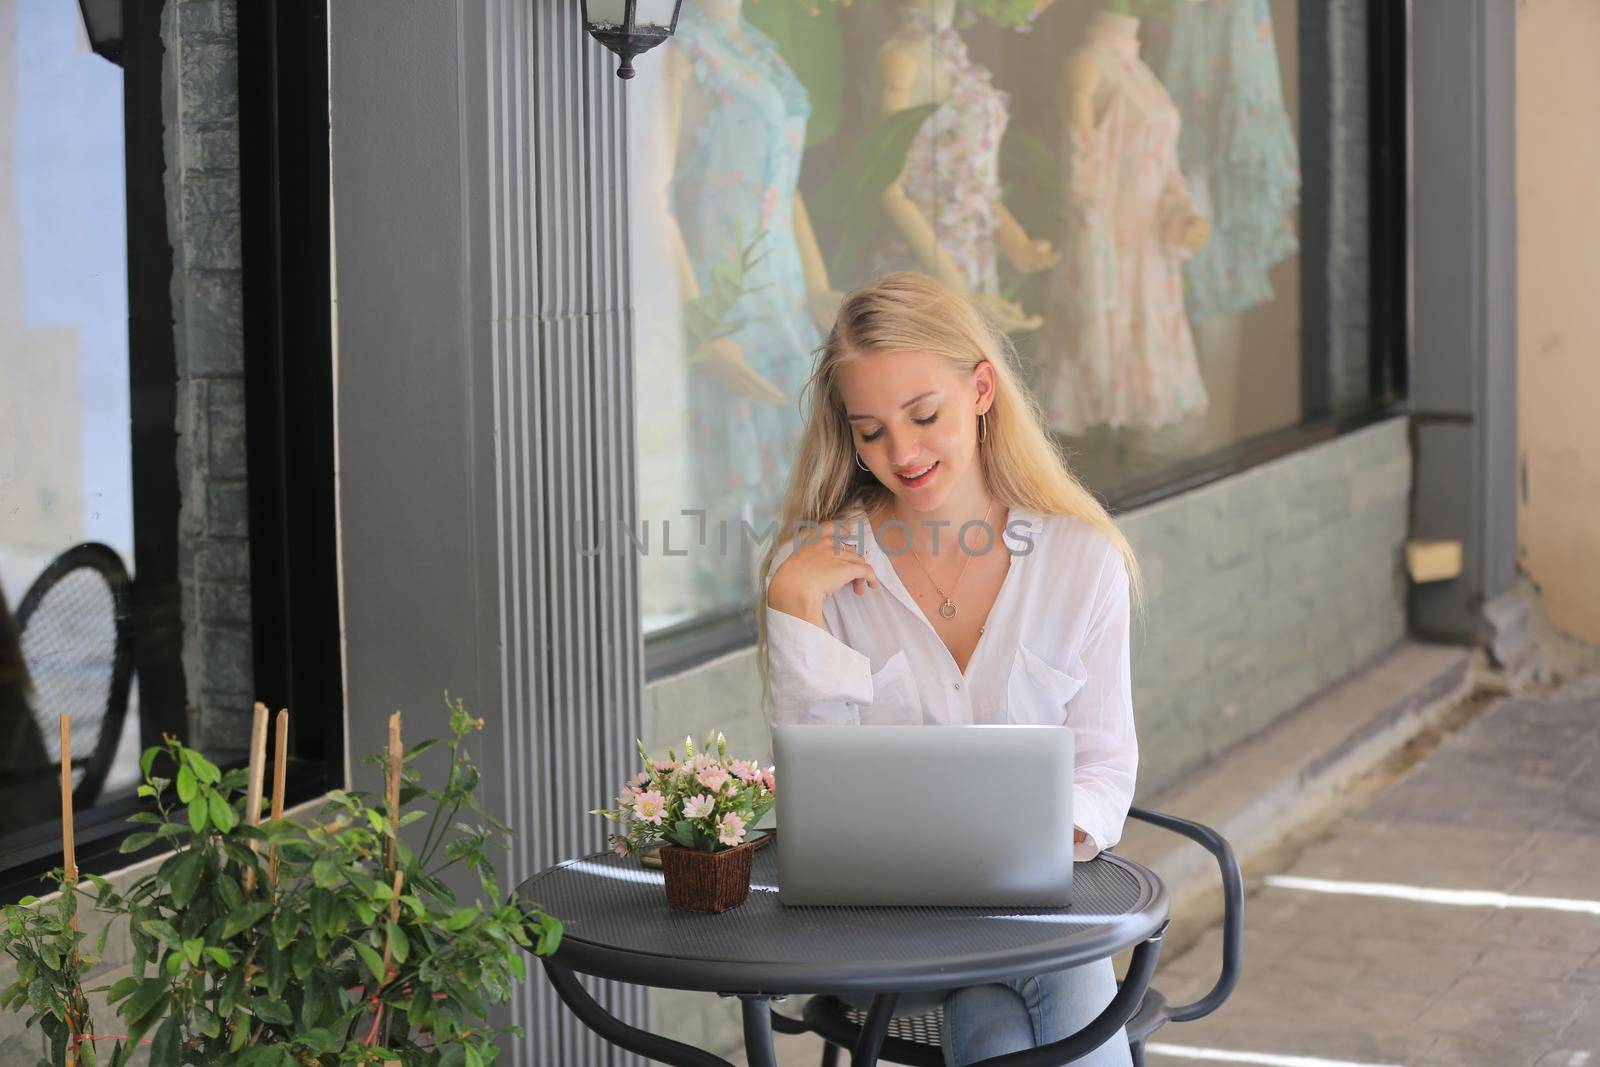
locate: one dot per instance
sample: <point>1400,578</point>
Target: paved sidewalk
<point>1509,805</point>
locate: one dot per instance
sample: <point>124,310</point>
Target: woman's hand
<point>818,569</point>
<point>1078,836</point>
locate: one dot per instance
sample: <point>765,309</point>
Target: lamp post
<point>630,27</point>
<point>102,21</point>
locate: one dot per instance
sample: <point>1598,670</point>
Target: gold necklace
<point>947,607</point>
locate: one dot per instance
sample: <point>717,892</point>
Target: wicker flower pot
<point>707,881</point>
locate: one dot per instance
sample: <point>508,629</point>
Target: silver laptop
<point>930,815</point>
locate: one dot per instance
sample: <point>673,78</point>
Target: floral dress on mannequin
<point>737,165</point>
<point>952,170</point>
<point>1237,148</point>
<point>1116,348</point>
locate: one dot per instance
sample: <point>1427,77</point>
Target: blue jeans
<point>1022,1013</point>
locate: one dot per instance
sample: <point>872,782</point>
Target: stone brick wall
<point>1260,591</point>
<point>200,99</point>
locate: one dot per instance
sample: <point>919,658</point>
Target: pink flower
<point>648,807</point>
<point>666,766</point>
<point>712,777</point>
<point>619,845</point>
<point>699,807</point>
<point>768,781</point>
<point>745,771</point>
<point>639,779</point>
<point>732,788</point>
<point>625,798</point>
<point>730,830</point>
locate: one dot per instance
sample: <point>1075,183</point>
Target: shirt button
<point>958,685</point>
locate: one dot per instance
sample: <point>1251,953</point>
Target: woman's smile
<point>918,477</point>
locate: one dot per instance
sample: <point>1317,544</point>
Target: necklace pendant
<point>947,609</point>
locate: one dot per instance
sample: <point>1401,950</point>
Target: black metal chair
<point>914,1040</point>
<point>74,623</point>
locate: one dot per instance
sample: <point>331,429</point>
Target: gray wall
<point>484,406</point>
<point>1261,591</point>
<point>1464,383</point>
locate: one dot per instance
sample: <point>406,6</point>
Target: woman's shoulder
<point>1074,547</point>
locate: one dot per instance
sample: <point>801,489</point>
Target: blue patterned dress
<point>738,160</point>
<point>1237,149</point>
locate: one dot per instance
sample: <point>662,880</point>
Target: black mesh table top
<point>618,926</point>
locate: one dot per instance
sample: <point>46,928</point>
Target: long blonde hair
<point>1021,464</point>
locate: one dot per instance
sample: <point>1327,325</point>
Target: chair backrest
<point>74,623</point>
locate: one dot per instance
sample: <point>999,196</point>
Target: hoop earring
<point>862,465</point>
<point>983,427</point>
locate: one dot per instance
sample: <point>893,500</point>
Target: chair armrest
<point>1232,909</point>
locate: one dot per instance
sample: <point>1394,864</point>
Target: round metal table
<point>618,926</point>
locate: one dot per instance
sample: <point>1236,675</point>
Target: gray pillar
<point>1463,384</point>
<point>485,405</point>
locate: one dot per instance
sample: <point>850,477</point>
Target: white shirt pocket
<point>895,699</point>
<point>1037,693</point>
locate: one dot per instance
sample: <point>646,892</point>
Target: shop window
<point>1169,206</point>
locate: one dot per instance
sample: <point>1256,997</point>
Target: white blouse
<point>1053,650</point>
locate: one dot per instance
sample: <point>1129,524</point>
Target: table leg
<point>758,1031</point>
<point>1108,1022</point>
<point>619,1033</point>
<point>873,1029</point>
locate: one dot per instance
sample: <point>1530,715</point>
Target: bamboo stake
<point>69,854</point>
<point>392,792</point>
<point>68,849</point>
<point>280,765</point>
<point>258,768</point>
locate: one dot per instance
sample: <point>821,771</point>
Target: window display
<point>1117,180</point>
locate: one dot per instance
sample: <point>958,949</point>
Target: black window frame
<point>686,645</point>
<point>288,353</point>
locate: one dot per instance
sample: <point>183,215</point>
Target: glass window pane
<point>1118,185</point>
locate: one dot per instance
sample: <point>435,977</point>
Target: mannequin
<point>951,233</point>
<point>734,118</point>
<point>1117,348</point>
<point>724,358</point>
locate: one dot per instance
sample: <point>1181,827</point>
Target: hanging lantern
<point>630,27</point>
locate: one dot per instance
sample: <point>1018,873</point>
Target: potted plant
<point>701,809</point>
<point>280,941</point>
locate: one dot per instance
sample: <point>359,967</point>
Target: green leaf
<point>206,1021</point>
<point>325,873</point>
<point>186,785</point>
<point>270,1010</point>
<point>320,1040</point>
<point>245,917</point>
<point>186,877</point>
<point>222,813</point>
<point>163,932</point>
<point>847,207</point>
<point>460,919</point>
<point>473,1059</point>
<point>121,988</point>
<point>147,760</point>
<point>134,842</point>
<point>220,956</point>
<point>193,948</point>
<point>151,991</point>
<point>370,957</point>
<point>399,946</point>
<point>198,814</point>
<point>550,930</point>
<point>164,1050</point>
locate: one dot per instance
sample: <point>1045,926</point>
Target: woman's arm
<point>1101,718</point>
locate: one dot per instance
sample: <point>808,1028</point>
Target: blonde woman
<point>936,562</point>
